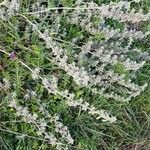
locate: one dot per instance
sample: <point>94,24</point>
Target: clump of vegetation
<point>74,74</point>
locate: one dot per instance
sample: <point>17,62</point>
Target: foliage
<point>74,75</point>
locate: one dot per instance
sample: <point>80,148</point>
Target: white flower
<point>39,133</point>
<point>137,1</point>
<point>33,93</point>
<point>52,139</point>
<point>45,82</point>
<point>6,84</point>
<point>35,116</point>
<point>26,96</point>
<point>110,119</point>
<point>35,73</point>
<point>85,106</point>
<point>14,95</point>
<point>25,112</point>
<point>70,139</point>
<point>12,103</point>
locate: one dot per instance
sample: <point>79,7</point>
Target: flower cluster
<point>29,94</point>
<point>41,124</point>
<point>59,127</point>
<point>103,55</point>
<point>9,8</point>
<point>32,119</point>
<point>85,106</point>
<point>51,86</point>
<point>63,130</point>
<point>60,58</point>
<point>109,52</point>
<point>35,73</point>
<point>108,65</point>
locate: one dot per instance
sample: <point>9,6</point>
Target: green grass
<point>132,129</point>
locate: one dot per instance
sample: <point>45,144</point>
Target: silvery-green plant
<point>92,65</point>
